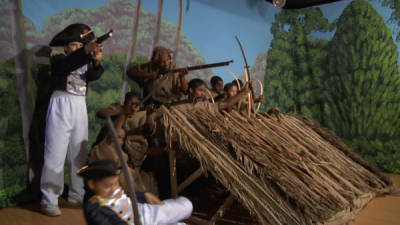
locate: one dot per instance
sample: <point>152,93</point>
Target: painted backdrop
<point>338,63</point>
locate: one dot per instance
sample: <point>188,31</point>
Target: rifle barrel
<point>104,37</point>
<point>198,67</point>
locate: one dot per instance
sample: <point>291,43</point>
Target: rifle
<point>104,37</point>
<point>198,67</point>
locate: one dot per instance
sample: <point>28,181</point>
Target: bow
<point>247,78</point>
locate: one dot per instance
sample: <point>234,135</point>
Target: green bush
<point>384,155</point>
<point>11,195</point>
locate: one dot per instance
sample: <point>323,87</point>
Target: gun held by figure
<point>198,67</point>
<point>104,37</point>
<point>101,38</point>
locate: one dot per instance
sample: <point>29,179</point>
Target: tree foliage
<point>350,83</point>
<point>295,61</point>
<point>13,168</point>
<point>362,84</point>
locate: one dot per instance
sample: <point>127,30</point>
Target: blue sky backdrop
<point>210,25</point>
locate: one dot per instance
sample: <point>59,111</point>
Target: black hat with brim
<point>75,32</point>
<point>99,169</point>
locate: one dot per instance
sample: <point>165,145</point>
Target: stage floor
<point>380,211</point>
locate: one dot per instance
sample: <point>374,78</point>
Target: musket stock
<point>198,67</point>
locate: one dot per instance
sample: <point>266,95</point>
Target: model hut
<point>285,169</point>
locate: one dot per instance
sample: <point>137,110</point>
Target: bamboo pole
<point>172,173</point>
<point>156,38</point>
<point>130,55</point>
<point>128,175</point>
<point>178,33</point>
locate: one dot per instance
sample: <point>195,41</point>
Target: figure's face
<point>104,187</point>
<point>132,105</point>
<point>199,92</point>
<point>121,136</point>
<point>166,61</point>
<point>219,87</point>
<point>72,46</point>
<point>232,91</point>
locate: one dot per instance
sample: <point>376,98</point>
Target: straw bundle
<point>290,171</point>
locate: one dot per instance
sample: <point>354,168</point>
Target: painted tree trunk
<point>132,48</point>
<point>156,38</point>
<point>23,70</point>
<point>178,32</point>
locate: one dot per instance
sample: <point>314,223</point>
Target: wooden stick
<point>235,77</point>
<point>128,175</point>
<point>222,209</point>
<point>261,93</point>
<point>237,82</point>
<point>209,93</point>
<point>172,173</point>
<point>246,77</point>
<point>196,174</point>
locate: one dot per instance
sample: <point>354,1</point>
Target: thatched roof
<point>290,171</point>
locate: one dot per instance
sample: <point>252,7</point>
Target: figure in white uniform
<point>66,132</point>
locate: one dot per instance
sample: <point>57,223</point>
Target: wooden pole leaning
<point>196,174</point>
<point>172,173</point>
<point>128,176</point>
<point>223,209</point>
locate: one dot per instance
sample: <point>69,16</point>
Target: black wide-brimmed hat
<point>75,32</point>
<point>99,169</point>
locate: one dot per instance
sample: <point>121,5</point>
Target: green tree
<point>362,86</point>
<point>295,61</point>
<point>13,166</point>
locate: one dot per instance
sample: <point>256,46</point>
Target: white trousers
<point>171,212</point>
<point>66,136</point>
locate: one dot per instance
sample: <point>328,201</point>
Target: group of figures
<point>286,169</point>
<point>97,181</point>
